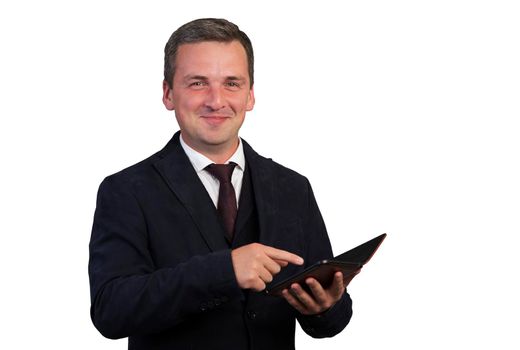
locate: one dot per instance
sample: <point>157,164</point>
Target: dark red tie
<point>227,200</point>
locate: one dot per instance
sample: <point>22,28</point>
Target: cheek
<point>241,103</point>
<point>189,103</point>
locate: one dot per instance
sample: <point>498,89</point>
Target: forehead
<point>211,57</point>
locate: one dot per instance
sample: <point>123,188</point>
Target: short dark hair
<point>205,29</point>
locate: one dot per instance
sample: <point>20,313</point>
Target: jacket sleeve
<point>318,247</point>
<point>129,295</point>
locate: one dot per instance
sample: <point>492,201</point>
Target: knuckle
<point>260,285</point>
<point>257,254</point>
<point>251,277</point>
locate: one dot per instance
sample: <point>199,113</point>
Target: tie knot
<point>222,172</point>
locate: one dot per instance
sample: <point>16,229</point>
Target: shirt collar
<point>200,161</point>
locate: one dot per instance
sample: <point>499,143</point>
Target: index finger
<point>283,256</point>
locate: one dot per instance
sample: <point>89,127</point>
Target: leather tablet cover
<point>323,271</point>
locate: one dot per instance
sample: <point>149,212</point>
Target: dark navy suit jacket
<point>160,268</point>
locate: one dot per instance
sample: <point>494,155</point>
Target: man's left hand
<point>320,299</point>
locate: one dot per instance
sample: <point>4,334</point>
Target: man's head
<point>208,83</point>
<point>200,30</point>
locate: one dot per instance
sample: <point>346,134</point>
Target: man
<point>173,263</point>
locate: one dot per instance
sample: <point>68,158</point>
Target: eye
<point>233,84</point>
<point>197,84</point>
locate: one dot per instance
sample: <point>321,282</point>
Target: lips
<point>215,119</point>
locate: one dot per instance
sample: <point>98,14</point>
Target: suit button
<point>251,315</point>
<point>203,307</point>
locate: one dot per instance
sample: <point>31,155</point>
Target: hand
<point>321,299</point>
<point>255,264</point>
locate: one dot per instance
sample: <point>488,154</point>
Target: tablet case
<point>349,263</point>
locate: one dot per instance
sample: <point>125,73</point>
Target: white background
<point>403,115</point>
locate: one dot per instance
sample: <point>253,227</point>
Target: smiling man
<point>211,94</point>
<point>184,242</point>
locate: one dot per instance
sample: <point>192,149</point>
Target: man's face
<point>210,94</point>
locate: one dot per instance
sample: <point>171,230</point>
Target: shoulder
<point>280,174</point>
<point>143,173</point>
<point>288,175</point>
<point>132,176</point>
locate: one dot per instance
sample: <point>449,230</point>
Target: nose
<point>215,99</point>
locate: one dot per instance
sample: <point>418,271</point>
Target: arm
<point>328,316</point>
<point>129,294</point>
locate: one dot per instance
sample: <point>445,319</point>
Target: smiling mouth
<point>215,119</point>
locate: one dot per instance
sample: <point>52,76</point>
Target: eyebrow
<point>195,77</point>
<point>234,78</point>
<point>202,77</point>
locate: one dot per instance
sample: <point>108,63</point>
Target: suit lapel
<point>176,169</point>
<point>264,184</point>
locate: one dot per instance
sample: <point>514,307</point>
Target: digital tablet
<point>323,271</point>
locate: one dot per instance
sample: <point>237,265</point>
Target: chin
<point>220,139</point>
<point>216,142</point>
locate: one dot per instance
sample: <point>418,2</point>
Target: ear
<point>167,96</point>
<point>250,100</point>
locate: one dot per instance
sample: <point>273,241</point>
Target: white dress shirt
<point>212,185</point>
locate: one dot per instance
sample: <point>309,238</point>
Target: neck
<point>219,154</point>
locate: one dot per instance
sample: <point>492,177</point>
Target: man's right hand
<point>255,264</point>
